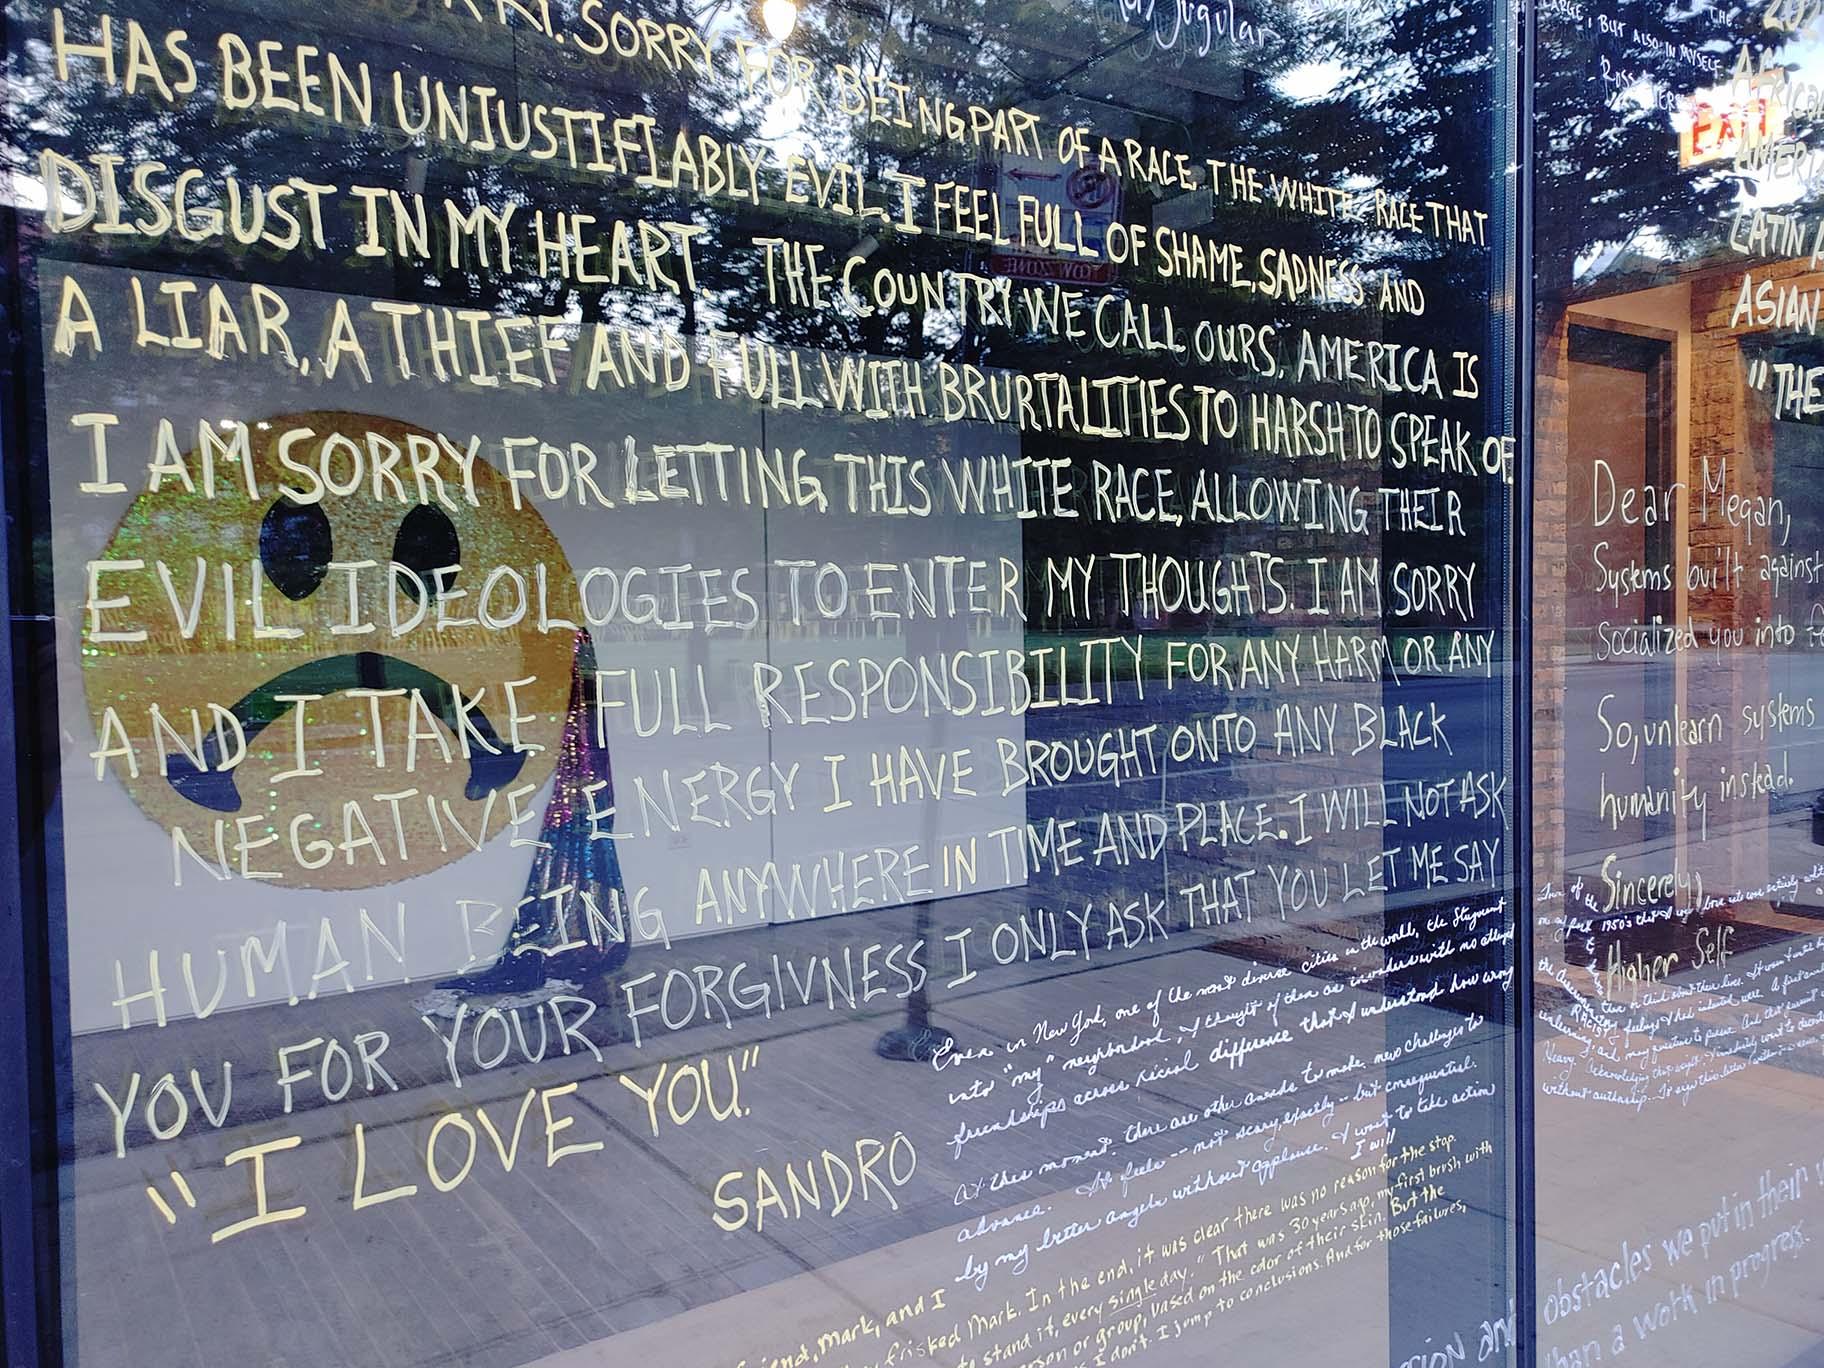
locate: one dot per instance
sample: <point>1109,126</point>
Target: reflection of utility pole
<point>918,1040</point>
<point>406,278</point>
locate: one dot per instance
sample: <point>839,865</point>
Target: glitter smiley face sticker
<point>326,650</point>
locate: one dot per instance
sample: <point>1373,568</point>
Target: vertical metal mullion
<point>1525,370</point>
<point>28,1164</point>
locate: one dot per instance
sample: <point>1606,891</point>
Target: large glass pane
<point>821,683</point>
<point>1675,615</point>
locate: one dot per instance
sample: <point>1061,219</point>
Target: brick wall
<point>1551,495</point>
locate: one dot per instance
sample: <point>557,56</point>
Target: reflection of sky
<point>1310,80</point>
<point>1804,59</point>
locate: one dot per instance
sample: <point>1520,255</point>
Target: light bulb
<point>780,17</point>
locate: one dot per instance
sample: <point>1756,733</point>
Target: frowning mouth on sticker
<point>207,775</point>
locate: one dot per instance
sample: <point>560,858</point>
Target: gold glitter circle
<point>182,667</point>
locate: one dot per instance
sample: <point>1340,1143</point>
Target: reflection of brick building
<point>1654,382</point>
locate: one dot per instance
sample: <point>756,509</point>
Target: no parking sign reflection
<point>1087,198</point>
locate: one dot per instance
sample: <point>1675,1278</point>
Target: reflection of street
<point>1618,718</point>
<point>1209,1129</point>
<point>1622,1180</point>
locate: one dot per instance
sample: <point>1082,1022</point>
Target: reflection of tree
<point>1055,59</point>
<point>1611,179</point>
<point>1399,97</point>
<point>83,118</point>
<point>1419,96</point>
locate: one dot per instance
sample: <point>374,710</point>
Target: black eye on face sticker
<point>426,542</point>
<point>295,547</point>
